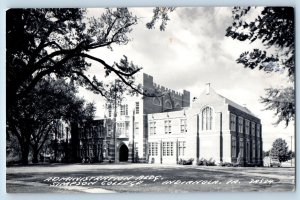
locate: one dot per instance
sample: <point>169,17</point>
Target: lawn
<point>148,178</point>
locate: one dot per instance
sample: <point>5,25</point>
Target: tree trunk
<point>25,153</point>
<point>35,155</point>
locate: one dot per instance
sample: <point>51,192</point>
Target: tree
<point>280,150</point>
<point>34,118</point>
<point>274,27</point>
<point>160,13</point>
<point>58,41</point>
<point>266,153</point>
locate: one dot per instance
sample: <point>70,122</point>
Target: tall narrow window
<point>167,148</point>
<point>164,146</point>
<point>109,129</point>
<point>137,107</point>
<point>258,130</point>
<point>156,149</point>
<point>109,111</point>
<point>136,128</point>
<point>207,118</point>
<point>253,148</point>
<point>232,122</point>
<point>241,147</point>
<point>153,149</point>
<point>167,126</point>
<point>253,129</point>
<point>171,148</point>
<point>122,110</point>
<point>126,109</point>
<point>181,148</point>
<point>241,124</point>
<point>258,149</point>
<point>152,128</point>
<point>183,126</point>
<point>127,129</point>
<point>247,127</point>
<point>233,146</point>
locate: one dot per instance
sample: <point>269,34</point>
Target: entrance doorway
<point>123,153</point>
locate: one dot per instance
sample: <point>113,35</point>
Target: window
<point>168,105</point>
<point>253,129</point>
<point>127,128</point>
<point>101,131</point>
<point>167,148</point>
<point>137,107</point>
<point>233,146</point>
<point>232,122</point>
<point>258,149</point>
<point>136,146</point>
<point>120,128</point>
<point>247,127</point>
<point>253,148</point>
<point>109,111</point>
<point>124,110</point>
<point>109,129</point>
<point>207,118</point>
<point>241,147</point>
<point>167,126</point>
<point>241,124</point>
<point>153,149</point>
<point>152,128</point>
<point>156,101</point>
<point>181,148</point>
<point>258,130</point>
<point>183,125</point>
<point>136,128</point>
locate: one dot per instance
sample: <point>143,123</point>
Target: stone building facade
<point>167,128</point>
<point>214,127</point>
<point>130,141</point>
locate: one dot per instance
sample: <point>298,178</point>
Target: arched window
<point>207,118</point>
<point>156,101</point>
<point>168,105</point>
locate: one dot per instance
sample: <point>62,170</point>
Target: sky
<point>192,51</point>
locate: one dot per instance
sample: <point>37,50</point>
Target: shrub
<point>211,162</point>
<point>204,162</point>
<point>227,164</point>
<point>186,162</point>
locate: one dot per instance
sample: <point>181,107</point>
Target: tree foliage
<point>32,119</point>
<point>58,41</point>
<point>43,43</point>
<point>282,101</point>
<point>160,14</point>
<point>280,150</point>
<point>274,28</point>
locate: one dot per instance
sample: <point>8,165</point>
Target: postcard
<point>150,99</point>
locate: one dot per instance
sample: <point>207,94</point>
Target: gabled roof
<point>235,105</point>
<point>211,91</point>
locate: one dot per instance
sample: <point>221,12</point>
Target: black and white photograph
<point>150,99</point>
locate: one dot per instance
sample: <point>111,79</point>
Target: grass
<point>182,173</point>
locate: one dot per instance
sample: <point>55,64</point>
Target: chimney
<point>207,88</point>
